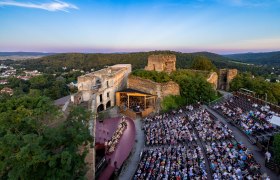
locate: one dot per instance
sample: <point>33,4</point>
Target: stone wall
<point>232,73</point>
<point>161,62</point>
<point>225,77</point>
<point>160,89</point>
<point>213,79</point>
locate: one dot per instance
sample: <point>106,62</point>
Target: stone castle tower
<point>161,62</point>
<point>225,77</point>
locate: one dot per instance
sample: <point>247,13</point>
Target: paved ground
<point>132,162</point>
<point>240,137</point>
<point>225,94</point>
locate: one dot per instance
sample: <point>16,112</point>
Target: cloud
<point>252,3</point>
<point>51,6</point>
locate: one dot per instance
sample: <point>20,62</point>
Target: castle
<point>98,88</point>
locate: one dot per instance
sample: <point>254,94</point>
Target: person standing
<point>267,156</point>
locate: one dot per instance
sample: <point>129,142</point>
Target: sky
<point>219,26</point>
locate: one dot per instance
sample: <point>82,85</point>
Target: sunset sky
<point>220,26</point>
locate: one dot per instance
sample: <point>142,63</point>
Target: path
<point>132,162</point>
<point>240,137</point>
<point>225,94</point>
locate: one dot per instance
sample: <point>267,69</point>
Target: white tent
<point>275,120</point>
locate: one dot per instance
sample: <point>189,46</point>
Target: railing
<point>273,107</point>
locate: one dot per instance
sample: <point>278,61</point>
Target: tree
<point>202,63</point>
<point>194,87</point>
<point>172,102</point>
<point>258,85</point>
<point>155,76</point>
<point>41,82</point>
<point>31,149</point>
<point>276,148</point>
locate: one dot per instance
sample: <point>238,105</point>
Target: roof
<point>134,91</point>
<point>61,101</point>
<point>7,89</point>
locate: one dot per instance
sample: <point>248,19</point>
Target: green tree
<point>258,85</point>
<point>31,149</point>
<point>155,76</point>
<point>276,148</point>
<point>41,82</point>
<point>194,87</point>
<point>202,63</point>
<point>172,102</point>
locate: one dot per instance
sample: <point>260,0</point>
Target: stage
<point>104,131</point>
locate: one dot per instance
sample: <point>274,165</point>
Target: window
<point>108,94</point>
<point>107,84</point>
<point>100,96</point>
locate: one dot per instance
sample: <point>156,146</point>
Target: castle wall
<point>160,89</point>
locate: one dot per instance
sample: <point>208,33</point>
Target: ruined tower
<point>225,77</point>
<point>161,62</point>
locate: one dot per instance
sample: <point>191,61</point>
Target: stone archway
<point>100,108</point>
<point>108,104</point>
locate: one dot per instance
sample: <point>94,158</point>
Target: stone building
<point>225,77</point>
<point>161,62</point>
<point>98,88</point>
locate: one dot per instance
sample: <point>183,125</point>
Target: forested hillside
<point>267,58</point>
<point>138,61</point>
<point>24,54</point>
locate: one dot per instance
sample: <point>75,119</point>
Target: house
<point>7,90</point>
<point>3,82</point>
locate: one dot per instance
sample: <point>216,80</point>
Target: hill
<point>265,58</point>
<point>22,55</point>
<point>138,61</point>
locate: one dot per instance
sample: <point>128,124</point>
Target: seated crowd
<point>209,129</point>
<point>168,129</point>
<point>229,161</point>
<point>252,119</point>
<point>180,162</point>
<point>111,145</point>
<point>177,154</point>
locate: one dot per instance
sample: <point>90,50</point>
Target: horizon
<point>136,52</point>
<point>221,27</point>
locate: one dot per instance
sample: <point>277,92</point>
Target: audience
<point>111,145</point>
<point>229,161</point>
<point>208,129</point>
<point>251,117</point>
<point>179,162</point>
<point>168,129</point>
<point>172,150</point>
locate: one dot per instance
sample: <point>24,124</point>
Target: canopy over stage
<point>132,102</point>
